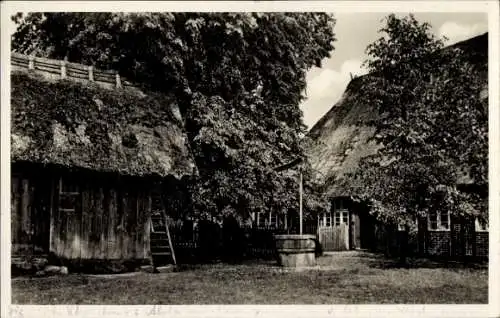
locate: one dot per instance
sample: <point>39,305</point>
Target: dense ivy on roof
<point>86,126</point>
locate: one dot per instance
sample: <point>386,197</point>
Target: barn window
<point>69,203</point>
<point>68,195</point>
<point>481,225</point>
<point>439,221</point>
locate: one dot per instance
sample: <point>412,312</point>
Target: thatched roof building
<point>92,161</point>
<point>343,136</point>
<point>86,126</point>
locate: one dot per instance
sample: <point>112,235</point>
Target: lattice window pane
<point>433,221</point>
<point>445,221</point>
<point>328,220</point>
<point>261,219</point>
<point>68,202</point>
<point>322,221</point>
<point>274,220</point>
<point>345,217</point>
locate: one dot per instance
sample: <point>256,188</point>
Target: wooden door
<point>67,219</point>
<point>334,238</point>
<point>462,237</point>
<point>333,228</point>
<point>30,214</point>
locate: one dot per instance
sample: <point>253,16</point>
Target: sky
<point>354,31</point>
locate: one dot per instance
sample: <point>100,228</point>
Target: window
<point>445,220</point>
<point>68,196</point>
<point>345,217</point>
<point>69,203</point>
<point>328,219</point>
<point>439,221</point>
<point>267,219</point>
<point>325,219</point>
<point>481,225</point>
<point>261,219</point>
<point>337,217</point>
<point>273,222</point>
<point>341,213</point>
<point>341,217</point>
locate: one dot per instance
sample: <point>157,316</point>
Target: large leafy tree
<point>432,125</point>
<point>239,79</point>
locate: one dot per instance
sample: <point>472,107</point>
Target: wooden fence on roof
<point>61,69</point>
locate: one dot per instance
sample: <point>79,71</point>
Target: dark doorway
<point>366,227</point>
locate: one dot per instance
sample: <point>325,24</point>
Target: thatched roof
<point>343,136</point>
<point>71,124</point>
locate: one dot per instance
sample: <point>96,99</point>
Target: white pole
<point>300,203</point>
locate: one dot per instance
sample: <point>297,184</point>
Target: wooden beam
<point>300,203</point>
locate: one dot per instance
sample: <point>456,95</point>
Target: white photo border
<point>25,311</point>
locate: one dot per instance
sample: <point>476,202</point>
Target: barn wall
<point>30,213</point>
<point>110,220</point>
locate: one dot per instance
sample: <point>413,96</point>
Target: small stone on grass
<point>165,269</point>
<point>147,269</point>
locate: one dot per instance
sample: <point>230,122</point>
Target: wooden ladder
<point>160,236</point>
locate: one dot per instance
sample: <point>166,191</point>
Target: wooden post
<point>51,213</point>
<point>300,203</point>
<point>31,62</point>
<point>91,73</point>
<point>63,68</point>
<point>118,81</point>
<point>25,207</point>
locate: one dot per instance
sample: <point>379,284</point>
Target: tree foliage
<point>239,79</point>
<point>432,125</point>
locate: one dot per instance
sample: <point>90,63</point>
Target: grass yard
<point>339,278</point>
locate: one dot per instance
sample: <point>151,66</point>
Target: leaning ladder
<point>159,236</point>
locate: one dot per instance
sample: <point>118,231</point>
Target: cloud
<point>325,86</point>
<point>456,32</point>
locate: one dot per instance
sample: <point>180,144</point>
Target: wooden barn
<point>91,160</point>
<point>344,136</point>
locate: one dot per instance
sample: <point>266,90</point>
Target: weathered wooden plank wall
<point>29,215</point>
<point>109,222</point>
<point>82,218</point>
<point>335,238</point>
